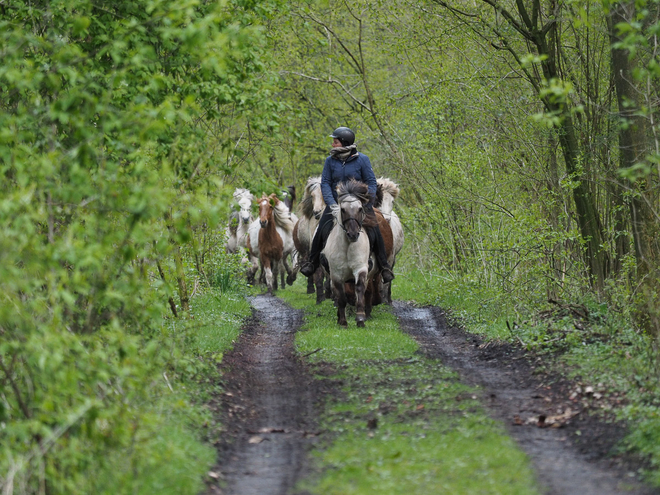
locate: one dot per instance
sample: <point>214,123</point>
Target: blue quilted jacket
<point>358,166</point>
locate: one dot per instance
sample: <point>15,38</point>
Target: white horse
<point>347,249</point>
<point>386,193</point>
<point>270,239</point>
<point>311,207</point>
<point>239,221</point>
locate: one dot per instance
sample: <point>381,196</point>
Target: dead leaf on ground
<point>213,475</point>
<point>558,420</point>
<point>270,430</point>
<point>255,439</point>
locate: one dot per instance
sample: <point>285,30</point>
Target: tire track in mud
<point>268,405</point>
<point>509,391</point>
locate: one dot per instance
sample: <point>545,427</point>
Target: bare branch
<point>329,81</point>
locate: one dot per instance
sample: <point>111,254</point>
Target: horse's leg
<point>311,281</point>
<point>360,288</point>
<point>369,296</point>
<point>290,273</point>
<point>252,270</point>
<point>318,281</point>
<point>327,287</point>
<point>276,270</point>
<point>280,271</point>
<point>268,272</point>
<point>341,303</point>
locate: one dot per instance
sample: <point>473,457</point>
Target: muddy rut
<point>268,406</point>
<point>271,404</point>
<point>514,396</point>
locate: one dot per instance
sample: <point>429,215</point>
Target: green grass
<point>605,352</point>
<point>218,318</point>
<point>481,309</point>
<point>431,434</point>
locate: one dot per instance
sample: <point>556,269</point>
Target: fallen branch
<point>313,352</point>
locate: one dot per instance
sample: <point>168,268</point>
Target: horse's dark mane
<point>379,196</point>
<point>290,197</point>
<point>354,188</point>
<point>361,191</point>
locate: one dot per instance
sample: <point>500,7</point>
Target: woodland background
<point>523,135</point>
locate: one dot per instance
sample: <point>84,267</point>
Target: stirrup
<point>387,275</point>
<point>307,269</point>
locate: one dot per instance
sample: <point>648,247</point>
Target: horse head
<point>312,204</point>
<point>246,206</point>
<point>266,205</point>
<point>349,213</point>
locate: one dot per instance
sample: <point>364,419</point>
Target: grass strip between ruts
<point>403,423</point>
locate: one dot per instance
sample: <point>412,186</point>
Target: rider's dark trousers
<point>376,241</point>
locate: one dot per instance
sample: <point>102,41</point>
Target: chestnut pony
<point>271,239</point>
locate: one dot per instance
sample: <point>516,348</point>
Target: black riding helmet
<point>345,135</point>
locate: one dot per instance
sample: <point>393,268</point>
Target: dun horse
<point>347,250</point>
<point>311,208</point>
<point>271,240</point>
<point>386,193</point>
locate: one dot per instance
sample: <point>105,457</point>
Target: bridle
<point>344,222</point>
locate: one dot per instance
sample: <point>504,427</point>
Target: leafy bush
<point>108,181</point>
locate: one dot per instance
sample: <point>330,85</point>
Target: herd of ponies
<point>278,240</point>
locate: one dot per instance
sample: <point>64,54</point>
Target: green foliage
<point>109,154</point>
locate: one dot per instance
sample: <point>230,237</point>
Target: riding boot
<point>386,272</point>
<point>318,243</point>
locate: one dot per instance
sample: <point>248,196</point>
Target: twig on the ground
<point>313,352</point>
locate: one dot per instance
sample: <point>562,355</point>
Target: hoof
<point>342,323</point>
<point>360,318</point>
<point>320,300</point>
<point>361,324</point>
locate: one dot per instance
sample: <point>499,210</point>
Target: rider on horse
<point>343,164</point>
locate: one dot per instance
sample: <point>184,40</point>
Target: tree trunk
<point>633,148</point>
<point>585,207</point>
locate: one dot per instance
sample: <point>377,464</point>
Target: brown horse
<point>271,239</point>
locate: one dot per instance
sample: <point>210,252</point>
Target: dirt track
<point>565,461</point>
<point>271,404</point>
<point>268,405</point>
